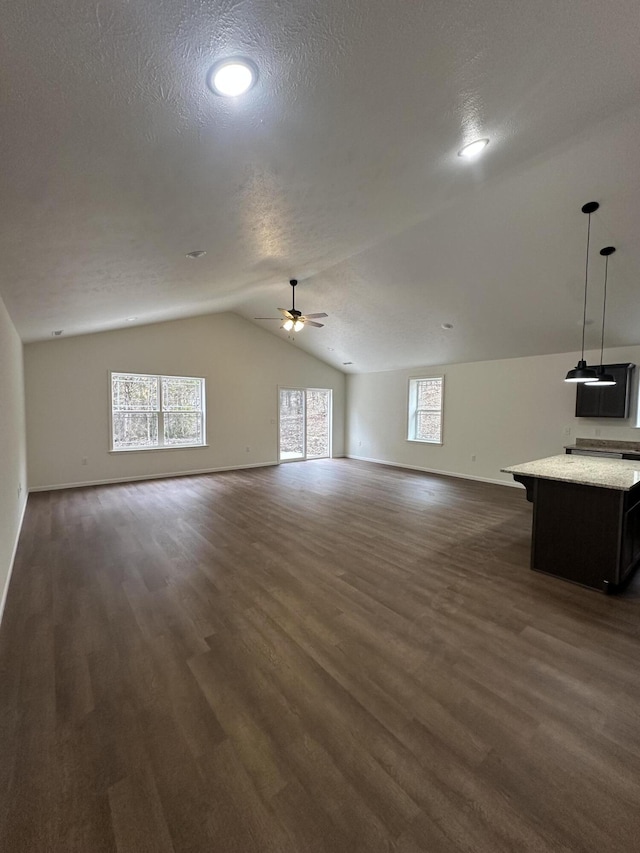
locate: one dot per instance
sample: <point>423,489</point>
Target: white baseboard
<point>5,591</point>
<point>137,478</point>
<point>511,484</point>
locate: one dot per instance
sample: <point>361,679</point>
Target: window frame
<point>413,411</point>
<point>160,412</point>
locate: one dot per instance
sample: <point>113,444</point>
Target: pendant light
<point>602,378</point>
<point>582,373</point>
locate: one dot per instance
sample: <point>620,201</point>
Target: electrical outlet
<point>598,433</point>
<point>248,449</point>
<point>473,458</point>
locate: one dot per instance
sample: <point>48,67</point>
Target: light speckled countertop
<point>621,474</point>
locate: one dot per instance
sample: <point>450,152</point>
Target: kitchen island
<point>586,518</point>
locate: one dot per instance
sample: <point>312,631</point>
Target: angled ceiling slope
<point>339,167</point>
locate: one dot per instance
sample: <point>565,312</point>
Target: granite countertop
<point>621,474</point>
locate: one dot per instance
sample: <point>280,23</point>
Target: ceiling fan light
<point>581,373</point>
<point>298,325</point>
<point>288,325</point>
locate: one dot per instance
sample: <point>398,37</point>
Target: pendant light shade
<point>582,373</point>
<point>602,378</point>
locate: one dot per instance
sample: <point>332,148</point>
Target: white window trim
<point>411,410</point>
<point>160,413</point>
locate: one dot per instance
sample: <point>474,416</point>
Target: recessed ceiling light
<point>131,319</point>
<point>447,326</point>
<point>232,77</point>
<point>473,149</point>
<point>199,253</point>
<point>330,349</point>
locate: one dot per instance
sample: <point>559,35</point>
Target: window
<point>425,409</point>
<point>149,412</point>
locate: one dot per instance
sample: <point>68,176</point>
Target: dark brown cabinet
<point>609,402</point>
<point>585,534</point>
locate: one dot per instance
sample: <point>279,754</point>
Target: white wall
<point>503,412</point>
<point>13,466</point>
<point>68,401</point>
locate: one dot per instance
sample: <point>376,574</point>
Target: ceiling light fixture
<point>232,77</point>
<point>296,325</point>
<point>294,319</point>
<point>473,149</point>
<point>602,378</point>
<point>199,253</point>
<point>447,326</point>
<point>582,373</point>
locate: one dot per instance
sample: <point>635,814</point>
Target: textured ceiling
<point>338,168</point>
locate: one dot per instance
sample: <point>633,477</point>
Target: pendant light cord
<point>586,281</point>
<point>604,308</point>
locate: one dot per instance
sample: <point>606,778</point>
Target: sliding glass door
<point>304,417</point>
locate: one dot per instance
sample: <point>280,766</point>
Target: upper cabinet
<point>612,401</point>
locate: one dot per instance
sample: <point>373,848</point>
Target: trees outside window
<point>149,411</point>
<point>426,399</point>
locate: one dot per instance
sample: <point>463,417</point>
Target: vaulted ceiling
<point>339,168</point>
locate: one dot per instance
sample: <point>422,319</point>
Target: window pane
<point>135,430</point>
<point>429,394</point>
<point>181,394</point>
<point>133,393</point>
<point>291,422</point>
<point>428,426</point>
<point>317,423</point>
<point>182,428</point>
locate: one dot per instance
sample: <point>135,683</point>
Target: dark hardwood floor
<point>327,656</point>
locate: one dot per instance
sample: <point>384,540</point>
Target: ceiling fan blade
<point>313,316</point>
<point>267,318</point>
<point>286,313</point>
<point>311,323</point>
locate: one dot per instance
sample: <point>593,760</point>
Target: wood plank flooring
<point>321,657</point>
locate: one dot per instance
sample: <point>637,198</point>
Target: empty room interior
<point>320,429</point>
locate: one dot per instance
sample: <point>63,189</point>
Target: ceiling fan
<point>293,319</point>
